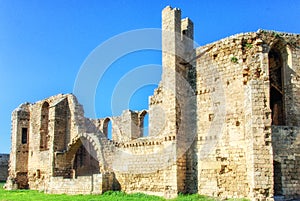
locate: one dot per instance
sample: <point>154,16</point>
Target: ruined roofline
<point>171,8</point>
<point>259,31</point>
<point>56,96</point>
<point>281,33</point>
<point>22,106</point>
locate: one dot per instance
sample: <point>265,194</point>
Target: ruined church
<point>224,121</point>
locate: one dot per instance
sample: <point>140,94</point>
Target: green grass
<point>32,195</point>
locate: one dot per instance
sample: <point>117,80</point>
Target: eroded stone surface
<point>224,121</point>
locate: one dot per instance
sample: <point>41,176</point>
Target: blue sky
<point>43,44</point>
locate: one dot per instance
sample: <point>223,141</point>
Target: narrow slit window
<point>24,135</point>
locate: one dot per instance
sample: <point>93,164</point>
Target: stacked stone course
<point>223,122</point>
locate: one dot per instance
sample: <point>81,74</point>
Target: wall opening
<point>44,132</point>
<point>277,178</point>
<point>276,87</point>
<point>62,125</point>
<point>24,135</point>
<point>107,128</point>
<point>144,121</point>
<point>85,162</point>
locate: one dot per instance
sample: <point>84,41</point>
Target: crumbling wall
<point>39,132</point>
<point>147,165</point>
<point>157,117</point>
<point>224,121</point>
<point>234,114</point>
<point>221,143</point>
<point>18,162</point>
<point>124,128</point>
<point>41,151</point>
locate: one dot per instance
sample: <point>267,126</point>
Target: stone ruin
<point>224,121</point>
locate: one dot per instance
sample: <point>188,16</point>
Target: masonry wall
<point>18,163</point>
<point>224,121</point>
<point>65,122</point>
<point>39,131</point>
<point>147,165</point>
<point>234,116</point>
<point>286,146</point>
<point>144,164</point>
<point>94,184</point>
<point>221,144</point>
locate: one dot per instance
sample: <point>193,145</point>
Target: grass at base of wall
<point>32,195</point>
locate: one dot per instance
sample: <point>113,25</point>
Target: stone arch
<point>44,129</point>
<point>277,58</point>
<point>84,162</point>
<point>85,156</point>
<point>142,117</point>
<point>107,128</point>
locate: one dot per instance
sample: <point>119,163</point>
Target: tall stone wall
<point>39,131</point>
<point>224,121</point>
<point>221,143</point>
<point>18,162</point>
<point>234,114</point>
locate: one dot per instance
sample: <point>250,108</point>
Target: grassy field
<point>31,195</point>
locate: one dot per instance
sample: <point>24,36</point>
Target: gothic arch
<point>142,128</point>
<point>277,58</point>
<point>84,156</point>
<point>44,129</point>
<point>107,128</point>
<point>85,161</point>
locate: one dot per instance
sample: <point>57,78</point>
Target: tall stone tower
<point>177,54</point>
<point>177,51</point>
<point>18,164</point>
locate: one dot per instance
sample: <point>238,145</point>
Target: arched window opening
<point>144,121</point>
<point>85,162</point>
<point>44,127</point>
<point>62,125</point>
<point>107,128</point>
<point>276,87</point>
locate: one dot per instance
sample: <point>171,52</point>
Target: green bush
<point>234,59</point>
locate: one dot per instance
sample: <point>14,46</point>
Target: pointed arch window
<point>44,130</point>
<point>276,87</point>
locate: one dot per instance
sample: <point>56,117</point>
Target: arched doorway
<point>85,161</point>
